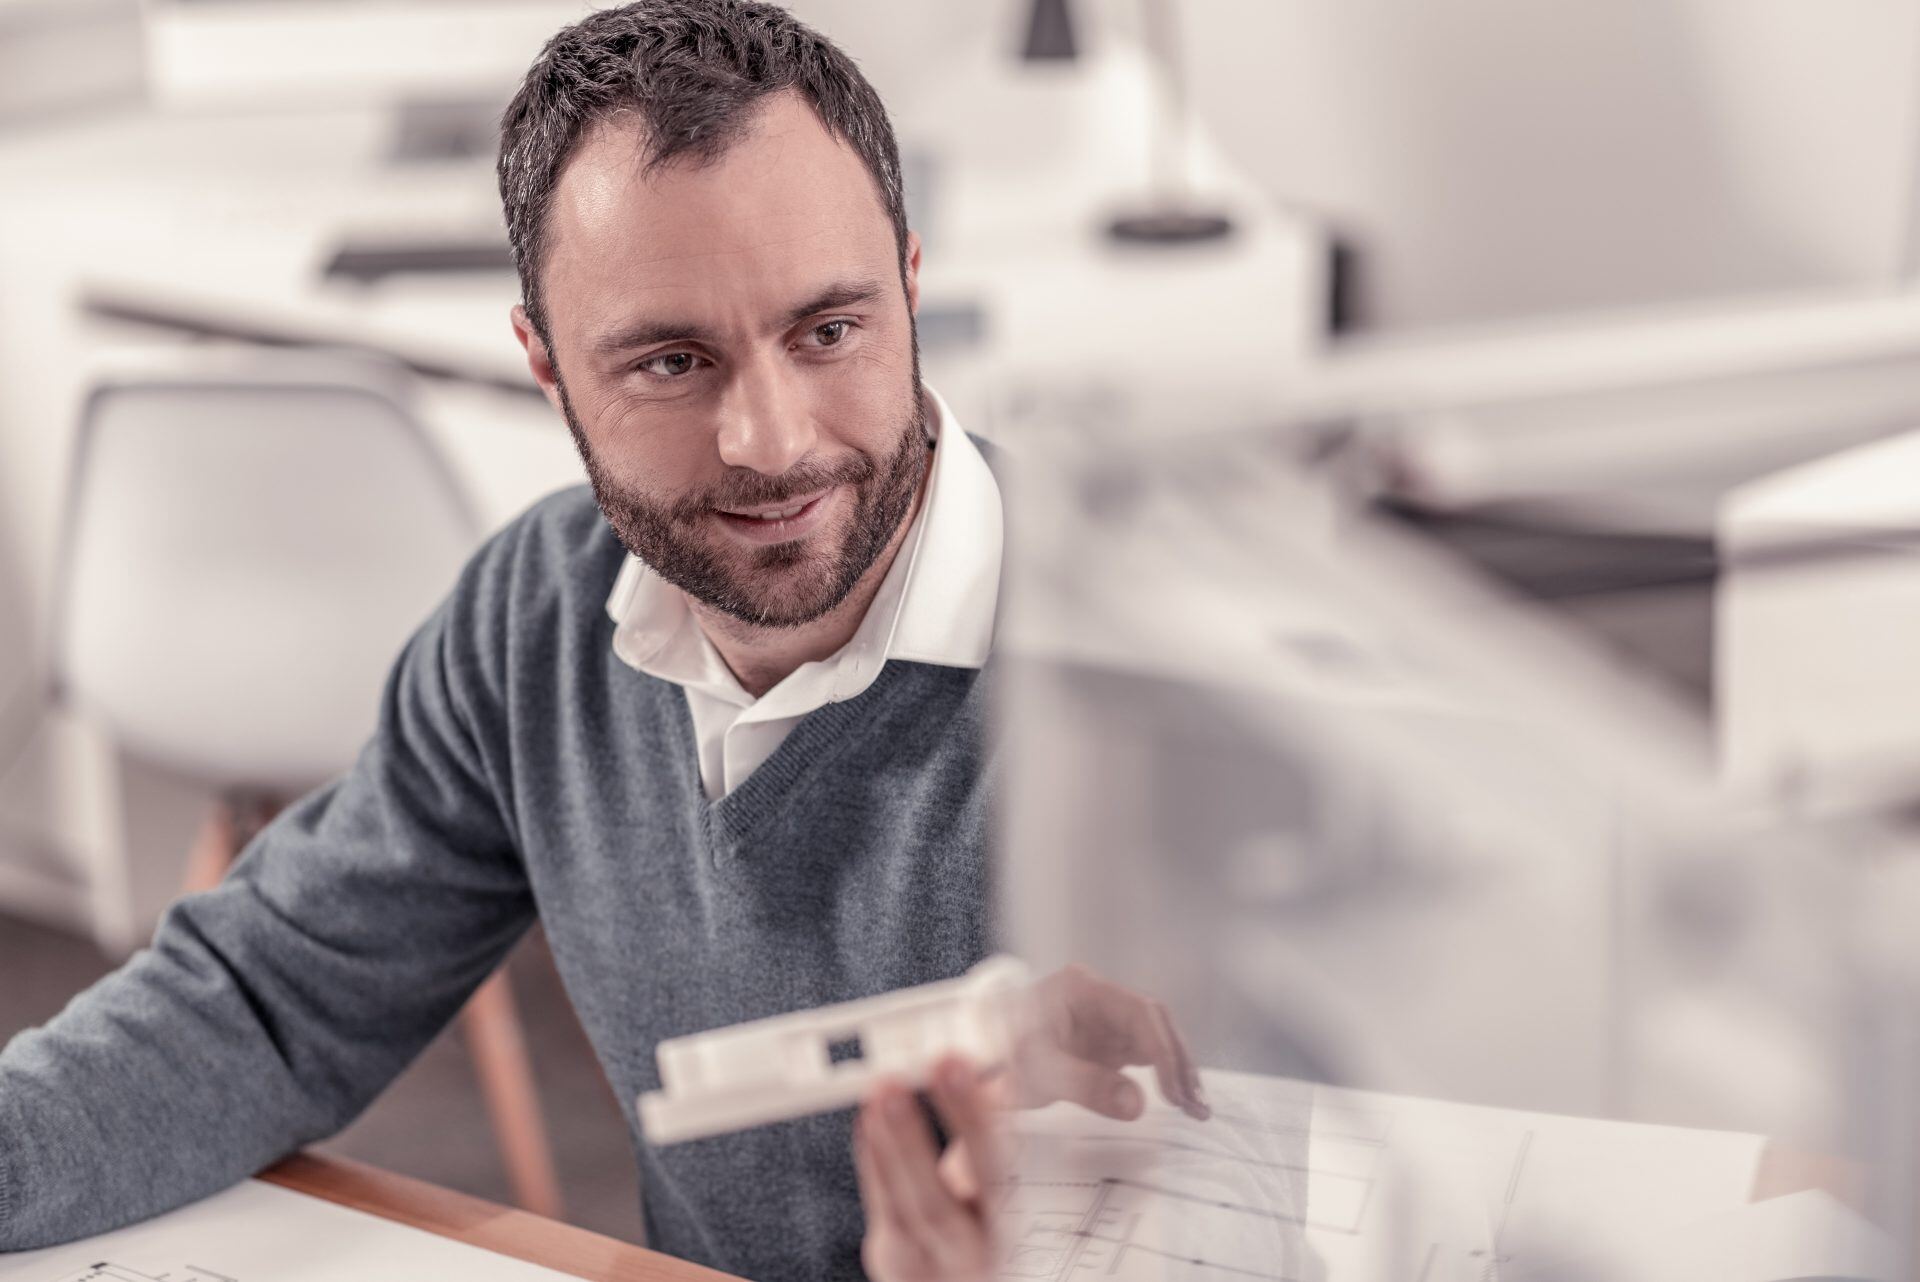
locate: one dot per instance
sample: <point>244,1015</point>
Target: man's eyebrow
<point>646,333</point>
<point>848,293</point>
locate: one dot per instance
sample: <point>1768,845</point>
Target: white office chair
<point>251,538</point>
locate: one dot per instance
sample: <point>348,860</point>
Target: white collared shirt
<point>935,605</point>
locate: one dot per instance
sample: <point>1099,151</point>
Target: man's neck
<point>761,658</point>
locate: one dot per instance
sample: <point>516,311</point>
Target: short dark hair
<point>695,71</point>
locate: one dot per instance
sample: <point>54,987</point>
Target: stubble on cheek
<point>787,584</point>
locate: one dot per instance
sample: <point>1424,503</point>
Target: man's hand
<point>1081,1030</point>
<point>927,1219</point>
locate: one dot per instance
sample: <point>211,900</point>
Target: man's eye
<point>830,333</point>
<point>671,365</point>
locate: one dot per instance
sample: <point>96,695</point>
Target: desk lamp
<point>1172,215</point>
<point>1050,33</point>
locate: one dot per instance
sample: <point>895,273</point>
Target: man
<point>723,731</point>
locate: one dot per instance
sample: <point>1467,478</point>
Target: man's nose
<point>764,423</point>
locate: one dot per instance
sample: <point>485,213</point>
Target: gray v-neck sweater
<point>519,768</point>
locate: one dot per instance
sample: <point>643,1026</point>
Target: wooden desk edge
<point>477,1222</point>
<point>537,1240</point>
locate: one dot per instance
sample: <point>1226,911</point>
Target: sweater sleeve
<point>268,1012</point>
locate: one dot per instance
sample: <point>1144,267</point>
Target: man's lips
<point>778,522</point>
<point>787,507</point>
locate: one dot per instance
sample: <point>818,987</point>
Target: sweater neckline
<point>814,740</point>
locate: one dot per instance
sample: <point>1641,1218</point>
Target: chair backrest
<point>250,540</point>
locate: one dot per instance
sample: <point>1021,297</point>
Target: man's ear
<point>913,272</point>
<point>539,359</point>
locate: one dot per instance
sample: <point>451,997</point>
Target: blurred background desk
<point>189,221</point>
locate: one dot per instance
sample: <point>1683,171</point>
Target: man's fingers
<point>1153,1041</point>
<point>962,1099</point>
<point>873,1190</point>
<point>1105,1024</point>
<point>1179,1078</point>
<point>999,1088</point>
<point>1052,1074</point>
<point>905,1165</point>
<point>1154,1046</point>
<point>956,1172</point>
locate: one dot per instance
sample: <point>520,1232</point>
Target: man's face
<point>734,353</point>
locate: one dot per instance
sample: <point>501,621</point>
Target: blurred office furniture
<point>1685,482</point>
<point>1049,32</point>
<point>1486,162</point>
<point>1172,212</point>
<point>1639,421</point>
<point>229,202</point>
<point>1025,163</point>
<point>372,262</point>
<point>204,53</point>
<point>251,538</point>
<point>1817,627</point>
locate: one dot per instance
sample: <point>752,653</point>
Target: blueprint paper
<point>257,1232</point>
<point>1292,1182</point>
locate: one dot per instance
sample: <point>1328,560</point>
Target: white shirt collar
<point>936,604</point>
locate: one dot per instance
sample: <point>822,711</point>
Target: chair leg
<point>491,1021</point>
<point>214,849</point>
<point>232,822</point>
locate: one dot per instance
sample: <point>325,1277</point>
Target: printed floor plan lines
<point>1089,1229</point>
<point>1292,1181</point>
<point>107,1271</point>
<point>1338,1200</point>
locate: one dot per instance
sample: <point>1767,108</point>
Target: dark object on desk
<point>439,130</point>
<point>1552,561</point>
<point>1171,227</point>
<point>949,326</point>
<point>1050,33</point>
<point>1647,597</point>
<point>369,262</point>
<point>1343,285</point>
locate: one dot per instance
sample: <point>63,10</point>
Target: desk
<point>529,1237</point>
<point>519,1234</point>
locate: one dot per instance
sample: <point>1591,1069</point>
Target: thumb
<point>1105,1091</point>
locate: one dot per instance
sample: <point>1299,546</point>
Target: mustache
<point>744,487</point>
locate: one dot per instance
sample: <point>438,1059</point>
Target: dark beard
<point>805,586</point>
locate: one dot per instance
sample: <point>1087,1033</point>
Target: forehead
<point>786,206</point>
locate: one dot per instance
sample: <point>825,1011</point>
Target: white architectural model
<point>813,1061</point>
